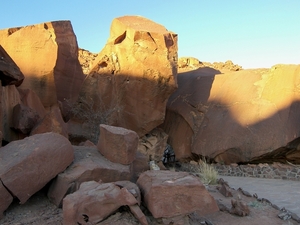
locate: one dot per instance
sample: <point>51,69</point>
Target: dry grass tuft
<point>207,173</point>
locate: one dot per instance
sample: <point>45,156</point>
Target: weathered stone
<point>225,190</point>
<point>93,202</point>
<point>5,199</point>
<point>9,99</point>
<point>131,187</point>
<point>52,122</point>
<point>28,165</point>
<point>139,165</point>
<point>236,117</point>
<point>153,144</point>
<point>86,60</point>
<point>47,54</point>
<point>88,165</point>
<point>30,99</point>
<point>118,144</point>
<point>24,118</point>
<point>239,208</point>
<point>170,194</point>
<point>132,78</point>
<point>10,73</point>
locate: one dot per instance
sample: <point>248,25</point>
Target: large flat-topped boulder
<point>169,194</point>
<point>28,165</point>
<point>118,144</point>
<point>132,77</point>
<point>237,117</point>
<point>47,55</point>
<point>10,73</point>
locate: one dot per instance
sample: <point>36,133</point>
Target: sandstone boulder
<point>10,73</point>
<point>132,77</point>
<point>28,165</point>
<point>30,99</point>
<point>88,165</point>
<point>238,116</point>
<point>24,118</point>
<point>52,122</point>
<point>47,54</point>
<point>9,99</point>
<point>171,194</point>
<point>5,199</point>
<point>118,144</point>
<point>139,165</point>
<point>93,202</point>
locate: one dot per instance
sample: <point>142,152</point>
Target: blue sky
<point>251,33</point>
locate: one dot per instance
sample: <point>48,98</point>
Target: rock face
<point>86,60</point>
<point>118,144</point>
<point>47,55</point>
<point>10,73</point>
<point>170,194</point>
<point>93,202</point>
<point>132,78</point>
<point>9,99</point>
<point>236,117</point>
<point>28,165</point>
<point>153,144</point>
<point>88,165</point>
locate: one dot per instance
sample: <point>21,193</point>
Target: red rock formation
<point>10,97</point>
<point>52,122</point>
<point>10,73</point>
<point>118,144</point>
<point>238,116</point>
<point>93,202</point>
<point>29,164</point>
<point>88,165</point>
<point>170,194</point>
<point>47,54</point>
<point>133,76</point>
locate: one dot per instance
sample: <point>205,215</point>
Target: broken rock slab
<point>47,55</point>
<point>94,202</point>
<point>118,144</point>
<point>28,165</point>
<point>170,194</point>
<point>88,165</point>
<point>10,73</point>
<point>5,199</point>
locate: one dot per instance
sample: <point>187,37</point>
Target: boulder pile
<point>84,126</point>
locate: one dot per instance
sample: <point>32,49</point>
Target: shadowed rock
<point>94,202</point>
<point>5,199</point>
<point>10,73</point>
<point>118,144</point>
<point>170,194</point>
<point>28,165</point>
<point>88,165</point>
<point>236,117</point>
<point>132,77</point>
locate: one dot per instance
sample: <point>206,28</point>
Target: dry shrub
<point>208,174</point>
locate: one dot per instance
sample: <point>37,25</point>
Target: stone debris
<point>239,208</point>
<point>93,202</point>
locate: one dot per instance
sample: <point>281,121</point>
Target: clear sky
<point>251,33</point>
